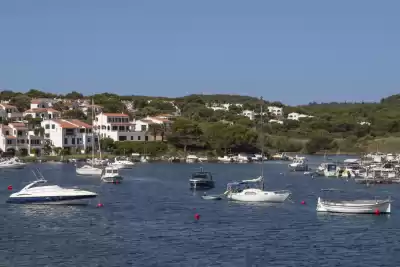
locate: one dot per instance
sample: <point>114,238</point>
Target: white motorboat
<point>253,190</point>
<point>122,164</point>
<point>88,170</point>
<point>13,163</point>
<point>299,164</point>
<point>36,193</point>
<point>235,191</point>
<point>354,206</point>
<point>111,174</point>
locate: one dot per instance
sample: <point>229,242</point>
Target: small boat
<point>13,163</point>
<point>211,197</point>
<point>201,180</point>
<point>253,191</point>
<point>36,193</point>
<point>111,174</point>
<point>354,206</point>
<point>299,164</point>
<point>88,170</point>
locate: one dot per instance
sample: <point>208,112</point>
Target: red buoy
<point>99,205</point>
<point>197,217</point>
<point>377,212</point>
<point>303,202</point>
<point>9,187</point>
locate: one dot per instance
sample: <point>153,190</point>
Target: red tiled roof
<point>36,101</point>
<point>18,125</point>
<point>115,114</point>
<point>80,123</point>
<point>11,137</point>
<point>65,124</point>
<point>34,110</point>
<point>8,106</point>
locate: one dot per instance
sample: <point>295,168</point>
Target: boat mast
<point>262,142</point>
<point>92,143</point>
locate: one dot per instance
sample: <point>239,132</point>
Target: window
<point>88,139</point>
<point>146,138</point>
<point>138,138</point>
<point>47,135</point>
<point>9,142</point>
<point>122,138</point>
<point>143,128</point>
<point>131,137</point>
<point>96,140</point>
<point>82,130</point>
<point>7,133</point>
<point>47,126</point>
<point>73,141</point>
<point>53,126</point>
<point>65,141</point>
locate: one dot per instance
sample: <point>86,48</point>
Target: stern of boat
<point>320,206</point>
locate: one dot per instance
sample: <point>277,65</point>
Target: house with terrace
<point>74,135</point>
<point>10,113</point>
<point>154,126</point>
<point>16,137</point>
<point>43,113</point>
<point>117,127</point>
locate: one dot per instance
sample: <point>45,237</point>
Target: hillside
<point>207,122</point>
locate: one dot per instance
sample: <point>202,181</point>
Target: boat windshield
<point>114,171</point>
<point>202,175</point>
<point>331,167</point>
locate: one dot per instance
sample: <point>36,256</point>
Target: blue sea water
<point>148,220</point>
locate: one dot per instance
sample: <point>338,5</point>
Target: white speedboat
<point>235,191</point>
<point>36,193</point>
<point>111,174</point>
<point>299,164</point>
<point>354,206</point>
<point>88,170</point>
<point>122,164</point>
<point>13,163</point>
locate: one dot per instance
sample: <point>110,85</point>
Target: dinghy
<point>211,197</point>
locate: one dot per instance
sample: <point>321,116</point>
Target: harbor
<point>153,207</point>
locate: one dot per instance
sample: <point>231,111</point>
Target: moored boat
<point>354,206</point>
<point>201,180</point>
<point>111,175</point>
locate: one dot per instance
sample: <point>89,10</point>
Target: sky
<point>294,51</point>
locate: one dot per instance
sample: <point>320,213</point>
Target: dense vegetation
<point>334,127</point>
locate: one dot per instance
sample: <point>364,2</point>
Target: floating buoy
<point>116,182</point>
<point>99,205</point>
<point>377,212</point>
<point>197,217</point>
<point>9,187</point>
<point>303,202</point>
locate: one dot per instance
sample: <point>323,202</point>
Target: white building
<point>144,124</point>
<point>42,103</point>
<point>117,127</point>
<point>68,133</point>
<point>277,111</point>
<point>296,116</point>
<point>43,113</point>
<point>16,137</point>
<point>249,114</point>
<point>10,113</point>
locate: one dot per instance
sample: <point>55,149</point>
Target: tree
<point>22,102</point>
<point>186,133</point>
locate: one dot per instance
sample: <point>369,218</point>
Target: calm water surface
<point>149,221</point>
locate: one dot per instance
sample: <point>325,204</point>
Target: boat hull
<point>249,195</point>
<point>355,207</point>
<point>115,179</point>
<point>298,168</point>
<point>52,200</point>
<point>88,172</point>
<point>201,184</point>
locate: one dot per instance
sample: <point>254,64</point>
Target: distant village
<point>73,134</point>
